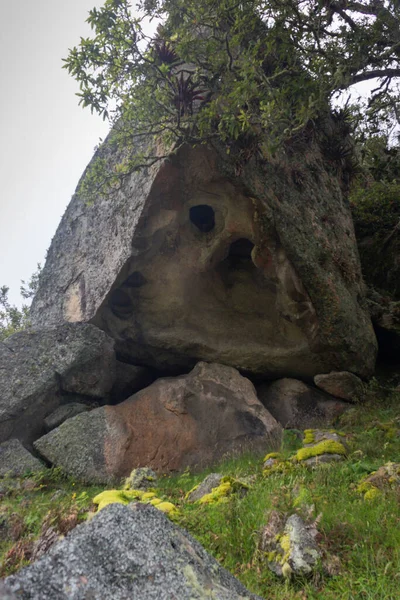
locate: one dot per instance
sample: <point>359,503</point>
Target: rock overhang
<point>191,267</point>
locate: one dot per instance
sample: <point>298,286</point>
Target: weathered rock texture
<point>64,412</point>
<point>38,366</point>
<point>129,379</point>
<point>192,420</point>
<point>385,315</point>
<point>341,384</point>
<point>296,405</point>
<point>15,460</point>
<point>291,547</point>
<point>127,552</point>
<point>217,258</point>
<point>205,487</point>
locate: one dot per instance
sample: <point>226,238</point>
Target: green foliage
<point>376,208</point>
<point>218,71</point>
<point>363,535</point>
<point>12,318</point>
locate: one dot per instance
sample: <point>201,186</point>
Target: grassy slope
<point>364,535</point>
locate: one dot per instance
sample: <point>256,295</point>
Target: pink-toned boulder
<point>188,421</point>
<point>341,384</point>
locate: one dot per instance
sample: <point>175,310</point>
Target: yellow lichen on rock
<point>372,494</point>
<point>126,496</point>
<point>228,486</point>
<point>148,496</point>
<point>272,455</point>
<point>309,437</point>
<point>217,494</point>
<point>155,501</point>
<point>284,466</point>
<point>115,496</point>
<point>194,488</point>
<point>324,447</point>
<point>168,508</point>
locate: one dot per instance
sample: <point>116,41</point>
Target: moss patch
<point>226,488</point>
<point>324,447</point>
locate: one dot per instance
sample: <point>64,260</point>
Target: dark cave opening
<point>240,254</point>
<point>121,304</point>
<point>203,217</point>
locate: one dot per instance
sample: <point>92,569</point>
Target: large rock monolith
<point>249,263</point>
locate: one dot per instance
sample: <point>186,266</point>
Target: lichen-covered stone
<point>141,479</point>
<point>385,478</point>
<point>205,487</point>
<point>192,420</point>
<point>321,446</point>
<point>15,460</point>
<point>290,546</point>
<point>192,261</point>
<point>38,367</point>
<point>127,552</point>
<point>221,492</point>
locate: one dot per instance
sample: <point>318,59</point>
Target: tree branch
<point>374,74</point>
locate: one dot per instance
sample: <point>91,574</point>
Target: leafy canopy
<point>12,318</point>
<point>222,70</point>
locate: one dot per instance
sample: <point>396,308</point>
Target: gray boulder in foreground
<point>127,552</point>
<point>15,460</point>
<point>38,366</point>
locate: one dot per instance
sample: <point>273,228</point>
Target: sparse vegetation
<point>12,318</point>
<point>360,537</point>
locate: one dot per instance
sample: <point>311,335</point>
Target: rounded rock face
<point>341,384</point>
<point>207,283</point>
<point>177,422</point>
<point>187,264</point>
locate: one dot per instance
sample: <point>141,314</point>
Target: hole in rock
<point>240,253</point>
<point>203,217</point>
<point>135,280</point>
<point>121,304</point>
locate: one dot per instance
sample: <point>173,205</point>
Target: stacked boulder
<point>156,310</point>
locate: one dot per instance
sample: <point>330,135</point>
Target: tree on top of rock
<point>231,72</point>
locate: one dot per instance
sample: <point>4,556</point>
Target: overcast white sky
<point>46,138</point>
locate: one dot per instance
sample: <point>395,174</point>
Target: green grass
<point>365,536</point>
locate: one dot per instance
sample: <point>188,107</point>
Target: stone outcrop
<point>192,420</point>
<point>341,384</point>
<point>203,257</point>
<point>211,482</point>
<point>39,367</point>
<point>129,379</point>
<point>321,446</point>
<point>15,460</point>
<point>127,552</point>
<point>64,412</point>
<point>296,405</point>
<point>291,548</point>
